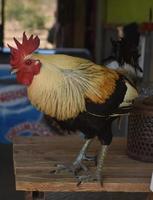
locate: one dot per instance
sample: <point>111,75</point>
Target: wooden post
<point>34,195</point>
<point>38,195</point>
<point>150,196</point>
<point>28,196</point>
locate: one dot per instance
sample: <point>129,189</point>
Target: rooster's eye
<point>28,62</point>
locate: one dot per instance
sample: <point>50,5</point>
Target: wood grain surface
<point>34,158</point>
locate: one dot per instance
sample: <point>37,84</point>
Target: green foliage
<point>14,10</point>
<point>28,13</point>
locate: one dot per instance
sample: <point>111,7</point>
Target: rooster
<point>76,93</point>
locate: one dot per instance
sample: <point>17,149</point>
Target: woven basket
<point>140,131</point>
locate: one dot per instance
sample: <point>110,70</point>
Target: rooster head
<point>22,61</point>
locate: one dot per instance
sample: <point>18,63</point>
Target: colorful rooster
<point>76,93</point>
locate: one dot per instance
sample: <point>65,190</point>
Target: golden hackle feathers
<point>65,82</point>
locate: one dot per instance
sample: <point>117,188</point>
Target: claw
<point>74,168</point>
<point>61,167</point>
<point>89,178</point>
<point>79,183</point>
<point>85,178</point>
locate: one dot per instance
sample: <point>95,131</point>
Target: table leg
<point>150,196</point>
<point>28,195</point>
<point>35,195</point>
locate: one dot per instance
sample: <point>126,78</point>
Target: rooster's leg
<point>82,155</point>
<point>77,165</point>
<point>100,163</point>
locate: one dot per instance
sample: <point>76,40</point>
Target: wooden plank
<point>35,157</point>
<point>85,187</point>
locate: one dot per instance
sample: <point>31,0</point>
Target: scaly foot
<point>77,165</point>
<point>75,168</point>
<point>98,175</point>
<point>90,177</point>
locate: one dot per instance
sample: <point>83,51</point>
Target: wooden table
<point>34,158</point>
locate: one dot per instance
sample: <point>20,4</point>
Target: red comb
<point>23,49</point>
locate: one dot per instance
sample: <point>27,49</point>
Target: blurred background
<point>87,24</point>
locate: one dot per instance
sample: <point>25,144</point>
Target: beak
<point>14,71</point>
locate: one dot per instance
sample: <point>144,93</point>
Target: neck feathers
<point>61,92</point>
